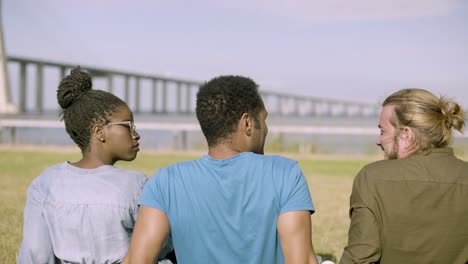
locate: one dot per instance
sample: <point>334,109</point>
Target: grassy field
<point>329,178</point>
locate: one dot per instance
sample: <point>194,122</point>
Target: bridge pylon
<point>6,105</point>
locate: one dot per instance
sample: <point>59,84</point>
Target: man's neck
<point>223,151</point>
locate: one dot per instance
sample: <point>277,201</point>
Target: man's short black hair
<point>221,103</point>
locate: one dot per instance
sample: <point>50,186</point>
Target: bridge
<point>158,94</point>
<point>166,104</point>
<point>162,103</point>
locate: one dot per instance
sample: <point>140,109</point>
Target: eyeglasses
<point>131,126</point>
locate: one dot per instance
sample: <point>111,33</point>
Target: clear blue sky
<point>358,50</point>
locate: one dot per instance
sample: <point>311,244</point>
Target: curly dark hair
<point>221,103</point>
<point>82,107</point>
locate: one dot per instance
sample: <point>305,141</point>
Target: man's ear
<point>407,137</point>
<point>98,132</point>
<point>246,124</point>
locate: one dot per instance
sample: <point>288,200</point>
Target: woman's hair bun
<point>73,86</point>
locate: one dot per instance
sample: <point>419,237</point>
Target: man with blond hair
<point>411,207</point>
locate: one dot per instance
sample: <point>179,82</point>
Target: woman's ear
<point>98,132</point>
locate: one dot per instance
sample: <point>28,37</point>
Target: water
<point>166,140</point>
<point>194,140</point>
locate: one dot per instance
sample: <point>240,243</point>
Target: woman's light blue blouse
<point>75,215</point>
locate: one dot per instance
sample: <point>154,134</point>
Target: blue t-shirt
<point>226,211</point>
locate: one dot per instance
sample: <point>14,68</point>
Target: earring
<point>102,140</point>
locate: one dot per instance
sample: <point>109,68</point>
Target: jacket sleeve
<point>364,236</point>
<point>36,246</point>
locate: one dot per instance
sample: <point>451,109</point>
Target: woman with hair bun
<point>85,211</point>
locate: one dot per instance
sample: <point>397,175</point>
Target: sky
<point>356,50</point>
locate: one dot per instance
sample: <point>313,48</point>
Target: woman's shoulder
<point>130,173</point>
<point>132,176</point>
<point>50,172</point>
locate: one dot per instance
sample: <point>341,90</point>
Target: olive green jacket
<point>411,210</point>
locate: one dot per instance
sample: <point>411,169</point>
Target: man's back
<point>226,211</point>
<point>419,205</point>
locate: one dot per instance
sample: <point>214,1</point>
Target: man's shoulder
<point>273,161</point>
<point>382,165</point>
<point>174,169</point>
<point>395,169</point>
<point>276,160</point>
<point>382,168</point>
<point>186,164</point>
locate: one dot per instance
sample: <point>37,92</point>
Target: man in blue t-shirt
<point>234,205</point>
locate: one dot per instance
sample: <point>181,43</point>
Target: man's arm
<point>294,229</point>
<point>151,229</point>
<point>364,236</point>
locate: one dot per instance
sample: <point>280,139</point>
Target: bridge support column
<point>6,106</point>
<point>179,140</point>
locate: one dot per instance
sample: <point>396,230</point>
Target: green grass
<point>330,180</point>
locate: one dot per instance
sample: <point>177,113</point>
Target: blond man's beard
<point>394,152</point>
